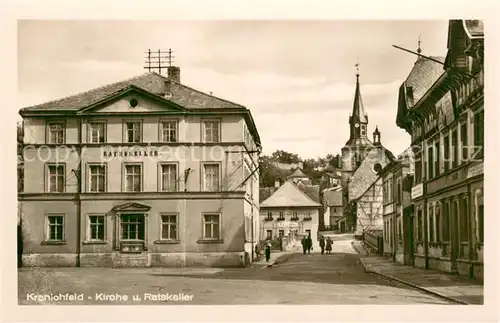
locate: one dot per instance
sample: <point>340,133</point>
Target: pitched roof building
<point>130,168</point>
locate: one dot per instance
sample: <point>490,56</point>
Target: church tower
<point>354,150</point>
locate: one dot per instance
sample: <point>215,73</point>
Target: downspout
<point>78,195</point>
<point>426,231</point>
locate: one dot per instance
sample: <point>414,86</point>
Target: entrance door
<point>454,236</point>
<point>411,239</point>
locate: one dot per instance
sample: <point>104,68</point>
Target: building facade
<point>447,128</point>
<point>292,210</point>
<point>143,172</point>
<point>395,199</point>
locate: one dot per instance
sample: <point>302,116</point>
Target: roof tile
<point>151,82</point>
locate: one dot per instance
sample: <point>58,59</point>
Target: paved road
<point>303,279</point>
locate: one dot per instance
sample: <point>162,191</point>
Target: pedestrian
<point>257,251</point>
<point>268,250</point>
<point>309,244</point>
<point>329,243</point>
<point>322,244</point>
<point>304,244</point>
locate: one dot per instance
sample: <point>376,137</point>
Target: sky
<point>296,77</point>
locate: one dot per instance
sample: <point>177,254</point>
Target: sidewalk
<point>453,287</point>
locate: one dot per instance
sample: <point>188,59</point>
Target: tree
<point>285,157</point>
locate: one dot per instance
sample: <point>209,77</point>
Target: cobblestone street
<point>338,278</point>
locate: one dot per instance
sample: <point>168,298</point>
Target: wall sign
<point>146,152</point>
<point>417,191</point>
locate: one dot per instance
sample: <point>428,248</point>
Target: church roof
<point>298,173</point>
<point>290,195</point>
<point>358,110</point>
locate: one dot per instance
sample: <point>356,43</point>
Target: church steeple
<point>358,119</point>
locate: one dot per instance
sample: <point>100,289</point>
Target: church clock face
<point>357,125</point>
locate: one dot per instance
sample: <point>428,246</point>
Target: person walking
<point>309,244</point>
<point>303,241</point>
<point>329,243</point>
<point>268,250</point>
<point>322,244</point>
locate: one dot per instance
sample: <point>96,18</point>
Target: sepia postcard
<point>183,162</point>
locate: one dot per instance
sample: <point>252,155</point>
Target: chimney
<point>174,73</point>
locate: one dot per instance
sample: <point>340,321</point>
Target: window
<point>133,178</point>
<point>269,234</point>
<point>55,133</point>
<point>169,131</point>
<point>56,180</point>
<point>464,142</point>
<point>211,131</point>
<point>363,130</point>
<point>446,221</point>
<point>211,226</point>
<point>281,216</point>
<point>132,227</point>
<point>269,215</point>
<point>211,177</point>
<point>169,227</point>
<point>97,178</point>
<point>430,162</point>
<point>437,159</point>
<point>464,220</point>
<point>398,187</point>
<point>446,153</point>
<point>133,131</point>
<point>431,223</point>
<point>454,148</point>
<point>334,210</point>
<point>55,227</point>
<point>168,177</point>
<point>437,213</point>
<point>281,233</point>
<point>308,215</point>
<point>418,167</point>
<point>96,227</point>
<point>294,215</point>
<point>97,132</point>
<point>479,134</point>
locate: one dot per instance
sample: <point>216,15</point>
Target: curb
<point>426,290</point>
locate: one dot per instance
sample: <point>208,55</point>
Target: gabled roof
<point>298,173</point>
<point>332,197</point>
<point>289,195</point>
<point>151,82</point>
<point>422,76</point>
<point>365,175</point>
<point>474,28</point>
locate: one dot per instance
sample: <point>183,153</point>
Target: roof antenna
<point>159,60</point>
